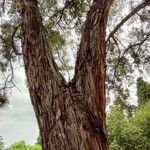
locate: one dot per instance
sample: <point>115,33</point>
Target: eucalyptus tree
<point>71,115</point>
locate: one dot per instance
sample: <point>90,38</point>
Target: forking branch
<point>132,13</point>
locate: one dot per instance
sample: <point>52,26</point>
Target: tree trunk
<point>71,116</point>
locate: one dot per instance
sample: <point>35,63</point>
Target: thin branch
<point>3,5</point>
<point>133,12</point>
<point>116,42</point>
<point>130,47</point>
<point>120,42</point>
<point>10,77</point>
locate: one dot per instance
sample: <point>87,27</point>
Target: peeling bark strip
<point>70,116</point>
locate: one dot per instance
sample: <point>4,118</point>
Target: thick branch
<point>42,72</point>
<point>93,29</point>
<point>90,64</point>
<point>132,13</point>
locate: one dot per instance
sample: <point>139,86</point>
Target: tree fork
<point>71,116</point>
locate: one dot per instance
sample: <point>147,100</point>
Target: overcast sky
<point>17,122</point>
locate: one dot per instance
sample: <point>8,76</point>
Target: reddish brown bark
<point>71,116</point>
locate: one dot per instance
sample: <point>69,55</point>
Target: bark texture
<point>71,116</point>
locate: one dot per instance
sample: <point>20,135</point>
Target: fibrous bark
<point>71,116</point>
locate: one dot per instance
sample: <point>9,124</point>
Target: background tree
<point>130,132</point>
<point>143,91</point>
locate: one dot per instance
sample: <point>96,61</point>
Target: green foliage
<point>132,137</point>
<point>35,147</point>
<point>18,146</point>
<point>129,133</point>
<point>56,40</point>
<point>143,91</point>
<point>22,146</point>
<point>142,119</point>
<point>115,123</point>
